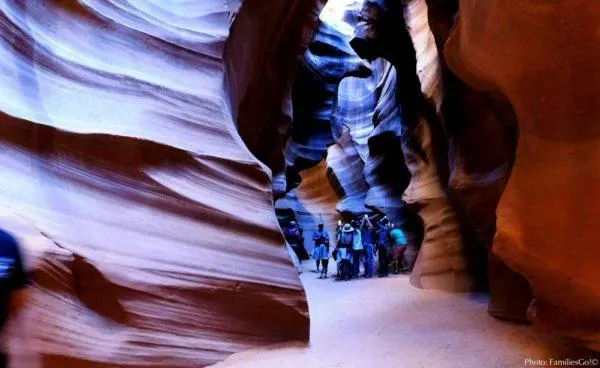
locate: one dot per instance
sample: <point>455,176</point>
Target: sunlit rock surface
<point>481,150</point>
<point>150,226</point>
<point>326,149</point>
<point>328,60</point>
<point>543,58</point>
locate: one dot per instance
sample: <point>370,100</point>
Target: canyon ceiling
<point>145,145</point>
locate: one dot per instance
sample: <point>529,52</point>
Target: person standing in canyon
<point>344,251</point>
<point>338,231</point>
<point>321,247</point>
<point>383,231</point>
<point>12,281</point>
<point>397,244</point>
<point>357,248</point>
<point>366,229</point>
<point>293,236</point>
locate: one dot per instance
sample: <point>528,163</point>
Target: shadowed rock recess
<point>145,145</point>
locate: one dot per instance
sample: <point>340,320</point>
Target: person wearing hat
<point>383,230</point>
<point>344,250</point>
<point>321,248</point>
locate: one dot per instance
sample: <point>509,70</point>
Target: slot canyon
<point>154,152</point>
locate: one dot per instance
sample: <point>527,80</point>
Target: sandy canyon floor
<point>389,323</point>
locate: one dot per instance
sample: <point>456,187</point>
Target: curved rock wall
<point>328,60</point>
<point>381,136</point>
<point>323,174</point>
<point>542,58</point>
<point>262,53</point>
<point>477,123</point>
<point>406,119</point>
<point>148,220</point>
<point>148,224</point>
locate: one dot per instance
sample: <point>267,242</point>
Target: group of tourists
<point>360,242</point>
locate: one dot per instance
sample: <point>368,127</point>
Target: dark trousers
<point>368,254</point>
<point>384,261</point>
<point>356,262</point>
<point>397,259</point>
<point>325,263</point>
<point>298,251</point>
<point>346,269</point>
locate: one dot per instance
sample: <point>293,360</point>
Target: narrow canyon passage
<point>154,153</point>
<point>361,324</point>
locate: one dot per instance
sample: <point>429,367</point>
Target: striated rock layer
<point>481,153</point>
<point>542,58</point>
<point>380,134</point>
<point>148,224</point>
<point>132,132</point>
<point>406,119</point>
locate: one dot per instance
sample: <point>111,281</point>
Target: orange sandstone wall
<point>543,58</point>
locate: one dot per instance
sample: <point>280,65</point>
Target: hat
<point>347,228</point>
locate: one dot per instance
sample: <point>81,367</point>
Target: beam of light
<point>333,13</point>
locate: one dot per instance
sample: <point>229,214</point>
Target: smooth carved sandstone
<point>328,60</point>
<point>407,110</point>
<point>120,154</point>
<point>481,151</point>
<point>142,144</point>
<point>543,58</point>
<point>261,57</point>
<point>314,200</point>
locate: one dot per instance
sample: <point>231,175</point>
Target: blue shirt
<point>367,235</point>
<point>320,237</point>
<point>382,235</point>
<point>398,237</point>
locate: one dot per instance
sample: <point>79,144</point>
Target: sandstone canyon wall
<point>501,112</point>
<point>541,59</point>
<point>346,114</point>
<point>147,223</point>
<point>143,144</point>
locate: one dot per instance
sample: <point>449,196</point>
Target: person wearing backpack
<point>344,251</point>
